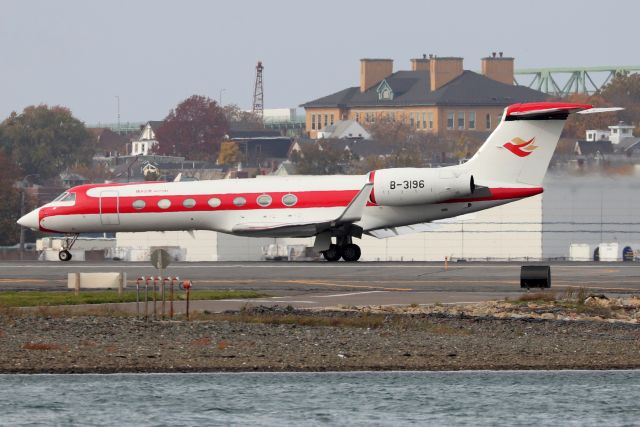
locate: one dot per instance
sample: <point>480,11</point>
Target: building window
<point>472,120</point>
<point>139,204</point>
<point>366,118</point>
<point>239,201</point>
<point>411,119</point>
<point>487,120</point>
<point>498,119</point>
<point>326,120</point>
<point>332,119</point>
<point>358,117</point>
<point>188,203</point>
<point>430,115</point>
<point>424,120</point>
<point>460,119</point>
<point>264,200</point>
<point>214,202</point>
<point>289,200</point>
<point>313,121</point>
<point>450,116</point>
<point>164,204</point>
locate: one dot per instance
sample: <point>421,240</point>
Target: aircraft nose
<point>31,220</point>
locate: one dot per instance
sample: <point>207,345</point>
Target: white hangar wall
<point>512,231</point>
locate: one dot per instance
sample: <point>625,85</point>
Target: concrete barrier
<point>79,281</point>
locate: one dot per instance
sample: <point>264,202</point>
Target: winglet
<point>354,211</point>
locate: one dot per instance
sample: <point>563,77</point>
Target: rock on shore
<point>419,341</point>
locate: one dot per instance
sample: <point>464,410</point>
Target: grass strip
<point>51,298</point>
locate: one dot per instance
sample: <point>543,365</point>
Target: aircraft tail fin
<point>519,150</point>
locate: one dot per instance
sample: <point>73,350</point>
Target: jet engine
<point>415,186</point>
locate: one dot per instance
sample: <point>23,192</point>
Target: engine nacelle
<point>415,186</point>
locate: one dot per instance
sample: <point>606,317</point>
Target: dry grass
<point>544,296</point>
<point>201,342</point>
<point>362,321</point>
<point>41,346</point>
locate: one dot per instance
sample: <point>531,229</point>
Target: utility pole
<point>22,227</point>
<point>118,109</point>
<point>220,96</point>
<point>258,92</point>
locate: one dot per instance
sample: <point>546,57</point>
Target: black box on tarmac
<point>535,276</point>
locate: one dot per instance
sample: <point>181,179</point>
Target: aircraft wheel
<point>333,253</point>
<point>351,252</point>
<point>64,255</point>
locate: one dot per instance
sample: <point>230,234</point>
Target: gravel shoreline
<point>337,341</point>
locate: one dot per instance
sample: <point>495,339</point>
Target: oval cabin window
<point>289,199</point>
<point>264,200</point>
<point>189,203</point>
<point>239,201</point>
<point>214,202</point>
<point>164,203</point>
<point>139,204</point>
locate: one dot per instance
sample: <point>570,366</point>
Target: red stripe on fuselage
<point>89,205</point>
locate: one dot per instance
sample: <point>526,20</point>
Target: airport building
<point>582,210</point>
<point>435,95</point>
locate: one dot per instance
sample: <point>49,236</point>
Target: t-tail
<point>519,150</point>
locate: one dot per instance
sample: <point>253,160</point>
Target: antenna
<point>258,92</point>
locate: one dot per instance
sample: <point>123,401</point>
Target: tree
<point>624,91</point>
<point>230,153</point>
<point>45,140</point>
<point>194,129</point>
<point>321,158</point>
<point>10,206</point>
<point>242,120</point>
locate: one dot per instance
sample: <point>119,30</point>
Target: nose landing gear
<point>67,244</point>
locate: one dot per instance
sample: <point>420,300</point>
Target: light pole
<point>118,107</point>
<point>220,96</point>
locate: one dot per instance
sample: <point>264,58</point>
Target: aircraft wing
<point>383,233</point>
<point>352,213</point>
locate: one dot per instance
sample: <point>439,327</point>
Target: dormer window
<point>385,93</point>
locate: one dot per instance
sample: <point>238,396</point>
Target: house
<point>262,149</point>
<point>618,140</point>
<point>344,129</point>
<point>436,95</point>
<point>147,139</point>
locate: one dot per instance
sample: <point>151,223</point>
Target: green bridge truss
<point>567,81</point>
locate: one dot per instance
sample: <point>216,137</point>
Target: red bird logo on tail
<point>520,147</point>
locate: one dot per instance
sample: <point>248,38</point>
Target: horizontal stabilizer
<point>600,110</point>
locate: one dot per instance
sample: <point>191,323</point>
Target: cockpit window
<point>66,197</point>
<point>70,197</point>
<point>60,197</point>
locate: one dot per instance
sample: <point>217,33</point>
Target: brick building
<point>435,95</point>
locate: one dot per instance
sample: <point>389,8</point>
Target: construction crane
<point>258,92</point>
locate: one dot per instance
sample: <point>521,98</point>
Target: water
<point>536,398</point>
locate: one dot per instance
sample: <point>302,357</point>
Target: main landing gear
<point>67,244</point>
<point>345,249</point>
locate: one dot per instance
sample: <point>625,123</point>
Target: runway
<point>327,284</point>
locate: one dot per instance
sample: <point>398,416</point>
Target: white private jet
<point>509,166</point>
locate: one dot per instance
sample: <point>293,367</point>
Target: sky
<point>151,55</point>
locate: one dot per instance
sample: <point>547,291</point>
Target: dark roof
<point>627,144</point>
<point>244,134</point>
<point>589,148</point>
<point>155,124</point>
<point>413,88</point>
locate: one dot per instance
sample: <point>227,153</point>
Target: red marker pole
<point>187,286</point>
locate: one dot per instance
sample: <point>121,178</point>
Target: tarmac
<point>321,284</point>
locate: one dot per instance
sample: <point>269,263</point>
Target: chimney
<point>499,68</point>
<point>443,70</point>
<point>373,71</point>
<point>420,64</point>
